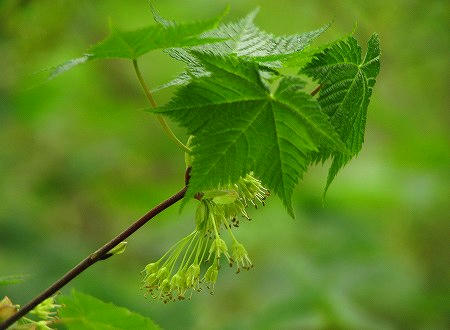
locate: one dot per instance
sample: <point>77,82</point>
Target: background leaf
<point>82,311</point>
<point>11,279</point>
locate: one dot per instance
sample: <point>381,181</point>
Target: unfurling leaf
<point>119,249</point>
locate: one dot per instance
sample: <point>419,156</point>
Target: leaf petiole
<point>160,118</point>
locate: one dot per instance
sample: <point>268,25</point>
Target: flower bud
<point>212,273</point>
<point>119,249</point>
<point>175,282</point>
<point>150,280</point>
<point>151,268</point>
<point>165,286</point>
<point>162,273</point>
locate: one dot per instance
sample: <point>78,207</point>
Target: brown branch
<point>100,254</point>
<point>316,90</point>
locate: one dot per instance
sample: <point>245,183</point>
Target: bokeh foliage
<point>79,161</point>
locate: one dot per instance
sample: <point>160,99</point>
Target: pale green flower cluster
<point>194,261</point>
<point>46,312</point>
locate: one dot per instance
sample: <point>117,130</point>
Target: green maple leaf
<point>243,39</point>
<point>133,44</point>
<point>81,311</point>
<point>346,83</point>
<point>240,126</point>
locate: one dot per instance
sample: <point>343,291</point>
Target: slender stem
<point>316,90</point>
<point>100,254</point>
<point>160,118</point>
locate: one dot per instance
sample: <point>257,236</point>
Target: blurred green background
<point>79,161</point>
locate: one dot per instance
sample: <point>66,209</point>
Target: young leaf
<point>346,86</point>
<point>82,311</point>
<point>133,44</point>
<point>239,126</point>
<point>119,249</point>
<point>243,39</point>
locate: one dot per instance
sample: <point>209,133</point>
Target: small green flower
<point>165,291</point>
<point>211,275</point>
<point>46,310</point>
<point>219,247</point>
<point>41,325</point>
<point>252,191</point>
<point>193,276</point>
<point>178,284</point>
<point>151,268</point>
<point>240,256</point>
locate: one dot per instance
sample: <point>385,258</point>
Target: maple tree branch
<point>316,90</point>
<point>100,254</point>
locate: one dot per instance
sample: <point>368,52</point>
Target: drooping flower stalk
<point>194,260</point>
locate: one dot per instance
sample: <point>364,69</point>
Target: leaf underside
<point>243,39</point>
